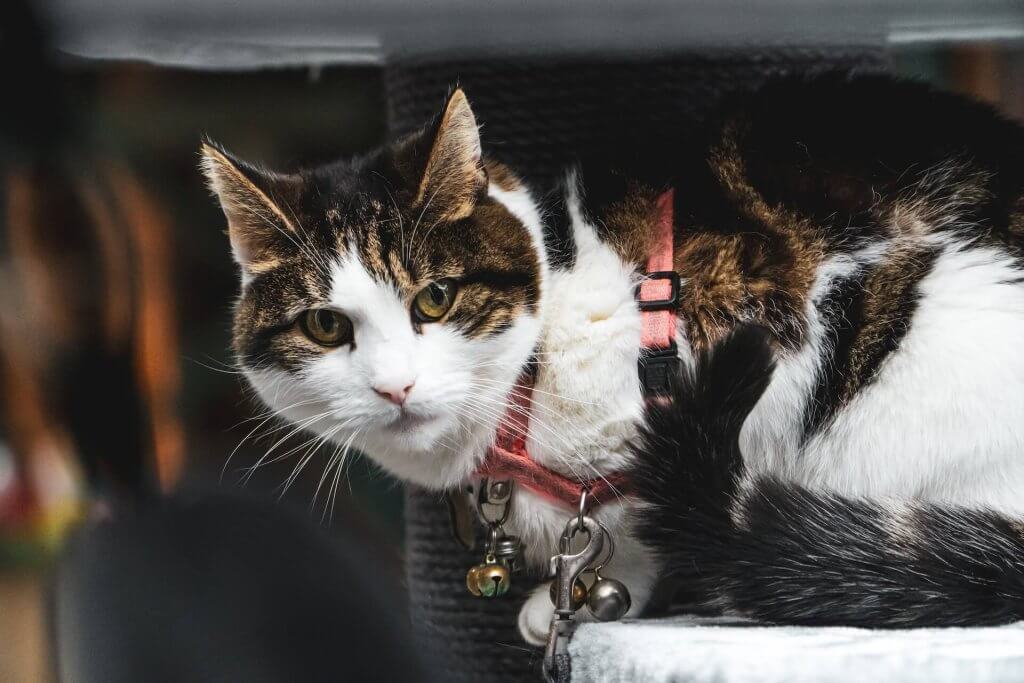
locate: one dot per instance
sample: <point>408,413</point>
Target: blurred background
<point>117,385</point>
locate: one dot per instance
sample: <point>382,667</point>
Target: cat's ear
<point>453,177</point>
<point>254,202</point>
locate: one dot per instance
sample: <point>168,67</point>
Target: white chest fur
<point>587,407</point>
<point>587,401</point>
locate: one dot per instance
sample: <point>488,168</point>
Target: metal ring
<point>583,510</point>
<point>611,549</point>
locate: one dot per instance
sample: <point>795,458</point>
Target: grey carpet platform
<point>693,650</point>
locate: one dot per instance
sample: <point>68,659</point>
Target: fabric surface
<point>267,33</point>
<point>540,113</point>
<point>466,638</point>
<point>696,650</point>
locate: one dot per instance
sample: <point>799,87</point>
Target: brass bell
<point>471,579</point>
<point>579,593</point>
<point>491,580</point>
<point>608,599</point>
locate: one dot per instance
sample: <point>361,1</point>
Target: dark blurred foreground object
<point>225,589</point>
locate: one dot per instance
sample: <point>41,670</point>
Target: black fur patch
<point>558,238</point>
<point>688,463</point>
<point>866,316</point>
<point>842,312</point>
<point>804,557</point>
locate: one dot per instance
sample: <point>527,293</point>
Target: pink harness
<point>658,297</point>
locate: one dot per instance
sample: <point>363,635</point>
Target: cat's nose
<point>394,394</point>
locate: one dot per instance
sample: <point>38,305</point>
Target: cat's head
<point>388,302</point>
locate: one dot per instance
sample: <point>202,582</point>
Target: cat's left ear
<point>454,177</point>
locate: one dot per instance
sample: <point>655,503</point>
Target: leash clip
<point>566,567</point>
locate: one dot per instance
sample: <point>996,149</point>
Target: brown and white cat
<point>874,228</point>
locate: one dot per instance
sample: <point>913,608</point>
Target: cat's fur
<point>874,228</point>
<point>763,547</point>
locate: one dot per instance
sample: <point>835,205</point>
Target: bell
<point>491,580</point>
<point>471,584</point>
<point>608,599</point>
<point>579,593</point>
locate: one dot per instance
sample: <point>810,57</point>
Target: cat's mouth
<point>406,421</point>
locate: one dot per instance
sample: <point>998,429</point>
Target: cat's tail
<point>758,547</point>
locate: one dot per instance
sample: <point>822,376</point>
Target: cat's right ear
<point>254,202</point>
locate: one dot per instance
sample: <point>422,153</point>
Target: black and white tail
<point>762,548</point>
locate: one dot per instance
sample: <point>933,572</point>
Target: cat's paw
<point>535,616</point>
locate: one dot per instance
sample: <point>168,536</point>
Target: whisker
<point>296,428</point>
<point>489,410</point>
<point>310,452</point>
<point>269,417</point>
<point>332,496</point>
<point>538,391</point>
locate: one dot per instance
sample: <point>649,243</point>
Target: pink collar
<point>658,296</point>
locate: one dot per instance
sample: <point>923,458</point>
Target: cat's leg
<point>632,565</point>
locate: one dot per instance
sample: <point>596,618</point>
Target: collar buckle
<point>657,366</point>
<point>669,302</point>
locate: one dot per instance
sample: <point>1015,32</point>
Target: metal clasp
<point>567,568</point>
<point>494,493</point>
<point>657,367</point>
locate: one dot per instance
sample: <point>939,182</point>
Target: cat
<point>872,228</point>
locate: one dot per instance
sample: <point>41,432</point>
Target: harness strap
<point>509,459</point>
<point>658,294</point>
<point>658,299</point>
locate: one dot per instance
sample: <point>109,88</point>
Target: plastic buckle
<point>657,366</point>
<point>673,299</point>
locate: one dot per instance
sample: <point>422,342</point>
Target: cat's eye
<point>326,327</point>
<point>434,300</point>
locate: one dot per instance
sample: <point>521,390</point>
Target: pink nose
<point>396,396</point>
